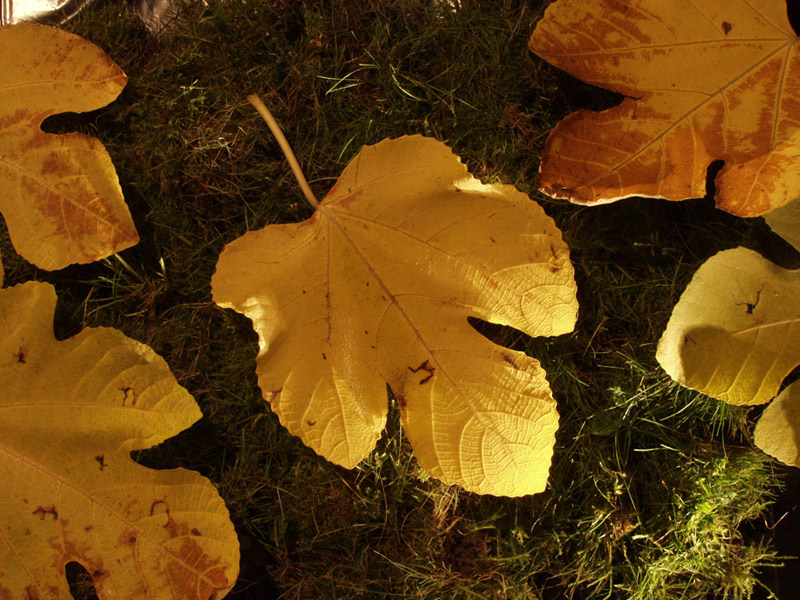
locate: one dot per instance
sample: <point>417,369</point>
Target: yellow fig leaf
<point>70,414</point>
<point>376,287</point>
<point>785,221</point>
<point>704,81</point>
<point>735,332</point>
<point>778,430</point>
<point>59,194</point>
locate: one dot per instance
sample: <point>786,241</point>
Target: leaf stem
<point>287,150</point>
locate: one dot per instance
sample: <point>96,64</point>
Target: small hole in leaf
<point>793,10</point>
<point>711,177</point>
<point>80,582</point>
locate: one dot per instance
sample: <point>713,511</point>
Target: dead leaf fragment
<point>734,333</point>
<point>377,287</point>
<point>704,81</point>
<point>59,194</point>
<point>70,414</point>
<point>778,430</point>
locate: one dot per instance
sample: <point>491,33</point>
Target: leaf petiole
<point>284,144</point>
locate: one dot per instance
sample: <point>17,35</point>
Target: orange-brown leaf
<point>704,81</point>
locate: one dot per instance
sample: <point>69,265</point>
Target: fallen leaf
<point>778,430</point>
<point>704,81</point>
<point>734,333</point>
<point>72,412</point>
<point>59,194</point>
<point>785,221</point>
<point>376,287</point>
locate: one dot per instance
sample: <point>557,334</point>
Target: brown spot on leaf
<point>57,165</point>
<point>161,506</point>
<point>19,116</point>
<point>425,366</point>
<point>101,461</point>
<point>191,561</point>
<point>347,200</point>
<point>129,507</point>
<point>21,356</point>
<point>310,423</point>
<point>726,27</point>
<point>154,505</point>
<point>508,358</point>
<point>44,512</point>
<point>751,306</point>
<point>129,396</point>
<point>128,538</point>
<point>196,532</point>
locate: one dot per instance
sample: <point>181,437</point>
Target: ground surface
<point>655,491</point>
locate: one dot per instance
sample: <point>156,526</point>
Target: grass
<point>651,484</point>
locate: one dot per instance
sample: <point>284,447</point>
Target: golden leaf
<point>59,194</point>
<point>704,81</point>
<point>778,430</point>
<point>71,412</point>
<point>376,287</point>
<point>734,333</point>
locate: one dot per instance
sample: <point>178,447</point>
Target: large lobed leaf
<point>704,81</point>
<point>377,286</point>
<point>59,194</point>
<point>70,414</point>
